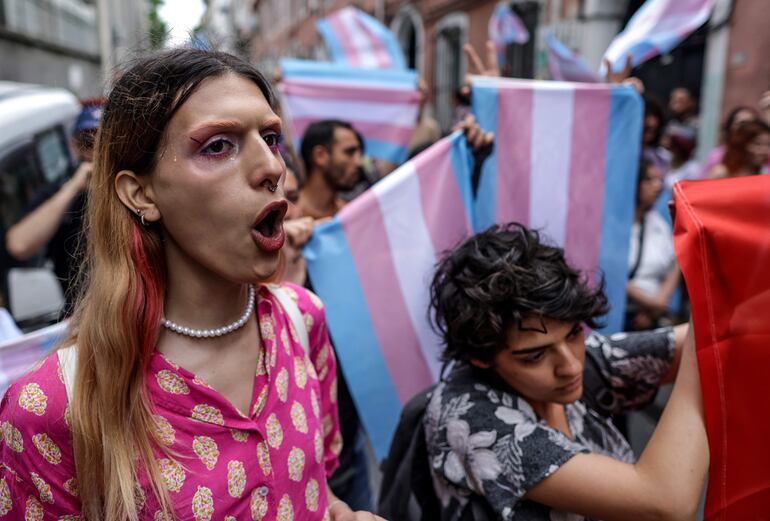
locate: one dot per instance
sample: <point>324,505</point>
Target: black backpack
<point>407,492</point>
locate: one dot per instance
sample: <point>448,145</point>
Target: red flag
<point>722,239</point>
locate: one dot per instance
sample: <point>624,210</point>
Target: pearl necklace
<point>211,333</point>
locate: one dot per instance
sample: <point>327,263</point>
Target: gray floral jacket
<point>485,440</point>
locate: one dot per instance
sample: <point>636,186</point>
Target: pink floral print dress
<point>269,465</point>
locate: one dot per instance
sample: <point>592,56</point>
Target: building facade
<point>723,62</point>
<point>58,42</point>
<point>433,32</point>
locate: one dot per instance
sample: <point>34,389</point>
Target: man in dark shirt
<point>54,218</point>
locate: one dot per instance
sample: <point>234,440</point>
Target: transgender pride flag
<point>354,38</point>
<point>372,266</point>
<point>504,28</point>
<point>381,104</point>
<point>565,162</point>
<point>17,356</point>
<point>566,65</point>
<point>656,28</point>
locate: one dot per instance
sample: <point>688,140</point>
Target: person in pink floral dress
<point>192,389</point>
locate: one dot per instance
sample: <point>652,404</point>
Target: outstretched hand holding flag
<point>656,28</point>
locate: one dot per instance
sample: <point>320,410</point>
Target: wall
<point>52,43</point>
<point>29,64</point>
<point>747,72</point>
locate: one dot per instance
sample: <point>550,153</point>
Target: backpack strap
<point>291,309</point>
<point>68,363</point>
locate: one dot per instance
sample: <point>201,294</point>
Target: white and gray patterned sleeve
<point>491,443</point>
<point>624,371</point>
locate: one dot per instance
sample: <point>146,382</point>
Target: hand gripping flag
<point>565,65</point>
<point>656,28</point>
<point>722,240</point>
<point>380,104</point>
<point>18,355</point>
<point>372,266</point>
<point>565,162</point>
<point>356,39</point>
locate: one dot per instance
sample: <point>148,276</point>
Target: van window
<point>53,155</point>
<point>20,180</point>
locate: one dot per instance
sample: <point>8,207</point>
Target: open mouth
<point>268,226</point>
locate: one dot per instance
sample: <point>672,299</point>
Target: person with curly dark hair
<point>521,426</point>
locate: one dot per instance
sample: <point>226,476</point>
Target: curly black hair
<point>499,278</point>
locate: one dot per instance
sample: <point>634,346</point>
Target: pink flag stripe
<point>357,41</point>
<point>591,113</point>
<point>392,324</point>
<point>330,90</point>
<point>369,129</point>
<point>444,216</point>
<point>514,127</point>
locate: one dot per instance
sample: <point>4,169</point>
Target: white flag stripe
<point>358,38</point>
<point>375,112</point>
<point>325,82</point>
<point>550,155</point>
<point>398,195</point>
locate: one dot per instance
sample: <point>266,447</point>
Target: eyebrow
<point>221,124</point>
<point>228,124</point>
<point>528,350</point>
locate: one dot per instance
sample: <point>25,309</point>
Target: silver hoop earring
<point>140,213</point>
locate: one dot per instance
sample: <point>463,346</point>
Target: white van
<point>35,126</point>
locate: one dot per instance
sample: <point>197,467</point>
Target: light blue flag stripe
<point>328,254</point>
<point>624,139</point>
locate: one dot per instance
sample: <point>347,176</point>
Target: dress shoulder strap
<point>68,362</point>
<point>291,308</point>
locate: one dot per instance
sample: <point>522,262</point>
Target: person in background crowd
<point>680,141</point>
<point>738,115</point>
<point>652,132</point>
<point>747,151</point>
<point>178,408</point>
<point>683,108</point>
<point>332,154</point>
<point>764,106</point>
<point>54,220</point>
<point>510,427</point>
<point>653,274</point>
<point>462,100</point>
<point>427,130</point>
<point>298,229</point>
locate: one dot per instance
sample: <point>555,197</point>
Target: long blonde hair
<point>116,320</point>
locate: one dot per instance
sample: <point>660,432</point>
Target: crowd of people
<point>196,215</point>
<point>668,155</point>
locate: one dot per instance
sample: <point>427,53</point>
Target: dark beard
<point>338,183</point>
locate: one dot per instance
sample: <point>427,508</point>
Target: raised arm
<point>33,232</point>
<point>668,479</point>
